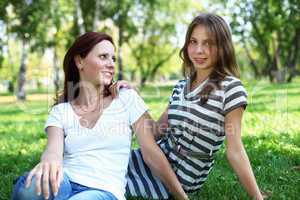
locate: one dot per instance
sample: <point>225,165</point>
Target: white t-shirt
<point>98,157</point>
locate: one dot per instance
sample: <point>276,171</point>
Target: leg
<point>93,194</point>
<point>22,193</point>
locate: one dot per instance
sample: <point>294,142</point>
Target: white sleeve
<point>55,117</point>
<point>136,106</point>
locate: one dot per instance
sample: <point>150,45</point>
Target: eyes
<point>205,44</point>
<point>106,57</point>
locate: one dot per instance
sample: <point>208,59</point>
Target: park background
<point>34,36</point>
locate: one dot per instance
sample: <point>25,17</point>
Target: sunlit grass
<point>271,135</point>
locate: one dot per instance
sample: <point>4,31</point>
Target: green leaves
<point>270,28</point>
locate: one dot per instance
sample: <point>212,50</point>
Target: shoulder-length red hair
<point>82,46</point>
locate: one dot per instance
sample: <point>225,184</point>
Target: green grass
<point>271,135</point>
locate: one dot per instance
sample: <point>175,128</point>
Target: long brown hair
<point>82,46</point>
<point>225,62</point>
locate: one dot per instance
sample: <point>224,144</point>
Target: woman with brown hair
<point>89,133</point>
<point>204,109</point>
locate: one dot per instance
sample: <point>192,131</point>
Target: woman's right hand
<point>49,170</point>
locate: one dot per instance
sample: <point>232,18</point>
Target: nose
<point>199,49</point>
<point>110,64</point>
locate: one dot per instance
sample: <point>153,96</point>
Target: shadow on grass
<point>14,111</point>
<point>263,95</point>
<point>259,106</point>
<point>12,166</point>
<point>283,86</point>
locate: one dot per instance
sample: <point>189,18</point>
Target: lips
<point>200,60</point>
<point>108,73</point>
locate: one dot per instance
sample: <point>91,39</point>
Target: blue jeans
<point>67,190</point>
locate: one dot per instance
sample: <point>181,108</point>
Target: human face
<point>202,49</point>
<point>98,67</point>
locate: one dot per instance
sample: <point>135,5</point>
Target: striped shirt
<point>193,127</point>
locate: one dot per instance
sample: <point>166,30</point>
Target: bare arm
<point>237,155</point>
<point>50,166</point>
<point>160,126</point>
<point>155,158</point>
<point>55,142</point>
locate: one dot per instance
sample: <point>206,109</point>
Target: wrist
<point>50,156</point>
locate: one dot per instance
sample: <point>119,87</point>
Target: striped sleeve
<point>176,88</point>
<point>235,96</point>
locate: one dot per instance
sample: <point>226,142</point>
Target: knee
<point>21,192</point>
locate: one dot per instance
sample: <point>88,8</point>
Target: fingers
<point>29,177</point>
<point>116,89</point>
<point>38,174</point>
<point>59,177</point>
<point>112,89</point>
<point>124,84</point>
<point>53,179</point>
<point>45,173</point>
<point>45,178</point>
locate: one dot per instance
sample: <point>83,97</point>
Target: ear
<point>78,62</point>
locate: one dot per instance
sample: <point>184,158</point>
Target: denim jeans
<point>67,190</point>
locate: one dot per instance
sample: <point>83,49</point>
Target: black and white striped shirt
<point>194,127</point>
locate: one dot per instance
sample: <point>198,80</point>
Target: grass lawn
<point>271,135</point>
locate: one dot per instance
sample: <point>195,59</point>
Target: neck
<point>90,96</point>
<point>202,74</point>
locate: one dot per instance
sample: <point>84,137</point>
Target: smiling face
<point>201,49</point>
<point>98,67</point>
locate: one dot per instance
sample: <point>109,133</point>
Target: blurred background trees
<point>148,34</point>
<point>269,32</point>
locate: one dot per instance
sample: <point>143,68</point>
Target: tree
<point>157,39</point>
<point>61,12</point>
<point>27,17</point>
<point>272,28</point>
<point>123,22</point>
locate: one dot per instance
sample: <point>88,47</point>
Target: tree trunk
<point>79,17</point>
<point>120,43</point>
<point>293,55</point>
<point>97,15</point>
<point>133,75</point>
<point>143,81</point>
<point>122,17</point>
<point>120,63</point>
<point>274,72</point>
<point>55,71</point>
<point>160,63</point>
<point>264,45</point>
<point>21,95</point>
<point>252,61</point>
<point>12,80</point>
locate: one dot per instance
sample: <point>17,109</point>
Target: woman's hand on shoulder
<point>116,86</point>
<point>48,171</point>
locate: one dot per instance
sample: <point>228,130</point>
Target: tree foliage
<point>271,29</point>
